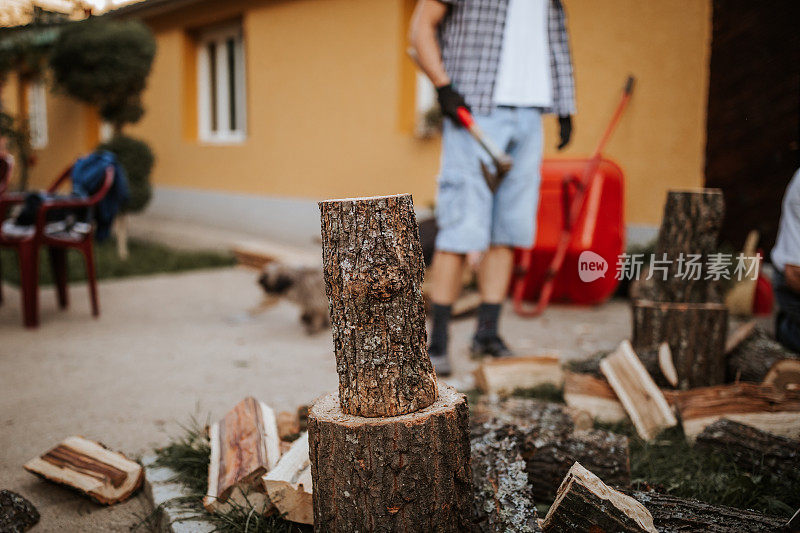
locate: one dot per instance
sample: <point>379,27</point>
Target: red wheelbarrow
<point>580,230</point>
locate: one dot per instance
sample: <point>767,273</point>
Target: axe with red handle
<point>502,161</point>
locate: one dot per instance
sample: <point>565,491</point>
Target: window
<point>427,118</point>
<point>37,114</point>
<point>220,85</point>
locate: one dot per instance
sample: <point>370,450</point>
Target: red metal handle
<point>465,117</point>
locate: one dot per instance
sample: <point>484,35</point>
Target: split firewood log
<point>672,514</point>
<point>653,359</point>
<point>106,476</point>
<point>638,393</point>
<point>288,425</point>
<point>756,354</point>
<point>546,417</point>
<point>503,498</point>
<point>507,374</point>
<point>752,449</point>
<point>784,375</point>
<point>585,503</point>
<point>762,407</point>
<point>549,458</point>
<point>288,485</point>
<point>244,447</point>
<point>593,395</point>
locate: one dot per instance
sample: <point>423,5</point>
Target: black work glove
<point>565,128</point>
<point>449,101</point>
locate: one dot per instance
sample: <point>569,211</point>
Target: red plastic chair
<point>27,248</point>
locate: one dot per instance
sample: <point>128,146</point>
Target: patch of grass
<point>145,258</point>
<point>669,463</point>
<point>546,392</point>
<point>188,456</point>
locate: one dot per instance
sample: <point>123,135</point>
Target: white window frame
<point>424,101</point>
<point>223,134</point>
<point>37,114</point>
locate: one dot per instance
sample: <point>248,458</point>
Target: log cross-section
<point>373,266</point>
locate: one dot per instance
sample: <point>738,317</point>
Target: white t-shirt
<point>787,247</point>
<point>523,75</point>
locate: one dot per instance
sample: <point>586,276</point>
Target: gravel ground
<point>170,346</point>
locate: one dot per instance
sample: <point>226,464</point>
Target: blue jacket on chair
<point>88,175</point>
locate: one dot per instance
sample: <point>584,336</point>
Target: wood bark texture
<point>507,374</point>
<point>503,497</point>
<point>550,438</point>
<point>585,503</point>
<point>244,447</point>
<point>90,468</point>
<point>690,225</point>
<point>638,393</point>
<point>289,485</point>
<point>763,407</point>
<point>16,513</point>
<point>679,515</point>
<point>548,459</point>
<point>753,357</point>
<point>593,395</point>
<point>373,267</point>
<point>753,450</point>
<point>404,473</point>
<point>695,334</point>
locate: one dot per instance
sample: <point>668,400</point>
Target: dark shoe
<point>492,346</point>
<point>441,363</point>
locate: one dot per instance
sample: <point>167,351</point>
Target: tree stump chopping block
<point>690,226</point>
<point>695,333</point>
<point>404,473</point>
<point>373,266</point>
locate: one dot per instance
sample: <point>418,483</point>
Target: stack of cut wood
<point>390,451</point>
<point>246,466</point>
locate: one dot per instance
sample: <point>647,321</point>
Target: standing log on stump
<point>405,473</point>
<point>695,334</point>
<point>503,499</point>
<point>676,515</point>
<point>585,503</point>
<point>752,358</point>
<point>691,224</point>
<point>373,277</point>
<point>752,449</point>
<point>391,451</point>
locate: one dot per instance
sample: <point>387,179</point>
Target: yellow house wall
<point>328,100</point>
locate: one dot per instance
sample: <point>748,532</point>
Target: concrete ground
<point>170,346</point>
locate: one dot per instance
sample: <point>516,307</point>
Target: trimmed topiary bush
<point>137,159</point>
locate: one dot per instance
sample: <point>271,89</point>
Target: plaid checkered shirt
<point>471,39</point>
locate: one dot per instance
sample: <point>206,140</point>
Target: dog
<point>303,286</point>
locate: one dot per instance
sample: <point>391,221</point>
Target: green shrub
<point>137,159</point>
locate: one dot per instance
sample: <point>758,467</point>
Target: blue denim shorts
<point>469,216</point>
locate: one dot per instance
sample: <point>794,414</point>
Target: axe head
<point>493,177</point>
